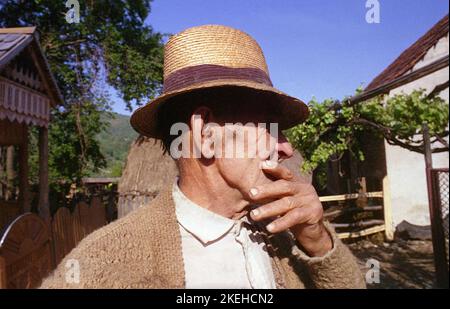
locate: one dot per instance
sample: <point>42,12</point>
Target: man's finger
<point>273,209</point>
<point>272,191</point>
<point>296,216</point>
<point>280,188</point>
<point>276,170</point>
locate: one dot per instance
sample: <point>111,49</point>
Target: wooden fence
<point>30,248</point>
<point>363,227</point>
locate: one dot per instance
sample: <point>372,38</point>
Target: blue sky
<point>321,48</point>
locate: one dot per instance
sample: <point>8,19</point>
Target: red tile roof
<point>412,55</point>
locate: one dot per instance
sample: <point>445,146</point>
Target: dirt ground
<point>403,264</point>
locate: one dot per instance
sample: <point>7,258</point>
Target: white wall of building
<point>406,169</point>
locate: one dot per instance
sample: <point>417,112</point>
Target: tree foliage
<point>334,126</point>
<point>111,45</point>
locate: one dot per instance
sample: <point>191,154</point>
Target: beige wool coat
<point>143,250</point>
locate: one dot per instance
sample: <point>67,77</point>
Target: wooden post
<point>362,200</point>
<point>387,210</point>
<point>437,230</point>
<point>3,279</point>
<point>44,208</point>
<point>427,146</point>
<point>23,172</point>
<point>10,173</point>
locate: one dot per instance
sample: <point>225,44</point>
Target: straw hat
<point>213,56</point>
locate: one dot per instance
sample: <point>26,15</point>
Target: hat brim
<point>292,110</point>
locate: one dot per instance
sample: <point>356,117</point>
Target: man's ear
<point>199,118</point>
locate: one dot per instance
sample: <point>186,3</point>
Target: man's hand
<point>295,206</point>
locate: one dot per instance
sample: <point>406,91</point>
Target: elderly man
<point>236,217</point>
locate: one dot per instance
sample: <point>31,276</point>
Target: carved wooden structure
<point>27,93</point>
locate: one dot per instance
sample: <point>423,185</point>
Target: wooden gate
<point>25,253</point>
<point>30,248</point>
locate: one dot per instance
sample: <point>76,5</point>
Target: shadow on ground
<point>403,264</point>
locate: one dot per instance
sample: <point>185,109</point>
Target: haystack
<point>146,172</point>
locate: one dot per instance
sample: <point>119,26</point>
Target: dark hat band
<point>192,75</point>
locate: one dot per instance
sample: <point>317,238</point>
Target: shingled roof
<point>412,55</point>
<point>15,40</point>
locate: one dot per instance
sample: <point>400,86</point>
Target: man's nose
<point>284,148</point>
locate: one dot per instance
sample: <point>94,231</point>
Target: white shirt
<point>219,252</point>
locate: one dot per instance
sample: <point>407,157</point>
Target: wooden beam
<point>24,198</point>
<point>358,224</point>
<point>22,30</point>
<point>361,201</point>
<point>365,232</point>
<point>3,279</point>
<point>352,209</point>
<point>428,151</point>
<point>402,80</point>
<point>100,180</point>
<point>352,196</point>
<point>44,207</point>
<point>52,94</point>
<point>41,71</point>
<point>387,210</point>
<point>10,172</point>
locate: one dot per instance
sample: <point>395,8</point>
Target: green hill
<point>114,144</point>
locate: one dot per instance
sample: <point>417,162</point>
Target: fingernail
<point>253,191</point>
<point>269,164</point>
<point>270,227</point>
<point>255,212</point>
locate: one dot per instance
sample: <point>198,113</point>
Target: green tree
<point>111,45</point>
<point>334,126</point>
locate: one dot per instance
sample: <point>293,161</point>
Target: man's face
<point>242,144</point>
<point>242,170</point>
